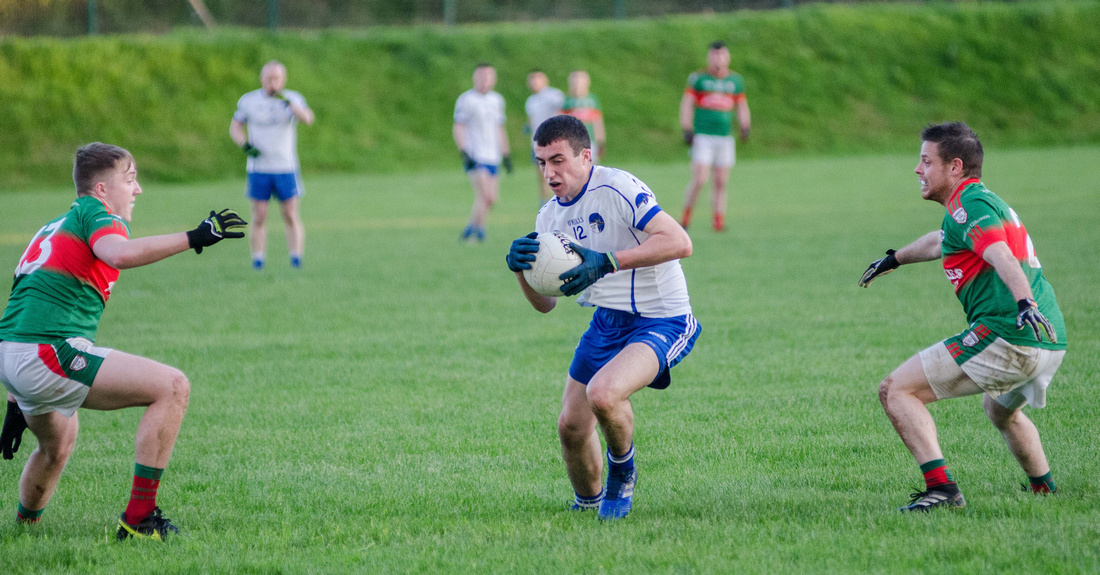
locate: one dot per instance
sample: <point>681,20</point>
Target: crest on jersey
<point>596,222</point>
<point>78,363</point>
<point>970,339</point>
<point>642,199</point>
<point>959,215</point>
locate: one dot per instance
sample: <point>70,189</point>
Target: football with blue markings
<point>553,258</point>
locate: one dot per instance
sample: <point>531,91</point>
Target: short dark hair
<point>956,140</point>
<point>716,45</point>
<point>535,71</point>
<point>563,127</point>
<point>483,65</point>
<point>93,161</point>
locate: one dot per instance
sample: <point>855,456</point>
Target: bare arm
<point>687,112</point>
<point>924,249</point>
<point>538,301</point>
<point>459,134</point>
<point>744,118</point>
<point>601,135</point>
<point>237,133</point>
<point>667,241</point>
<point>505,148</point>
<point>304,114</point>
<point>999,255</point>
<point>121,253</point>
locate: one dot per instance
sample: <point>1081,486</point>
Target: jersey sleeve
<point>98,223</point>
<point>297,99</point>
<point>692,79</point>
<point>640,205</point>
<point>462,111</point>
<point>240,115</point>
<point>501,115</point>
<point>983,225</point>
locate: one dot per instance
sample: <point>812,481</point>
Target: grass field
<point>392,407</point>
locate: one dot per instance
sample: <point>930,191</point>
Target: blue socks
<point>621,462</point>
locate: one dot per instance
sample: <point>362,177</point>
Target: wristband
<point>614,261</point>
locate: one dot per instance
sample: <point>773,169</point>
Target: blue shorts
<point>262,186</point>
<point>671,338</point>
<point>491,168</point>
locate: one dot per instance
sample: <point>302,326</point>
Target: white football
<point>553,258</point>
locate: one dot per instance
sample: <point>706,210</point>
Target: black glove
<point>689,137</point>
<point>745,133</point>
<point>12,435</point>
<point>1030,315</point>
<point>214,229</point>
<point>879,268</point>
<point>522,252</point>
<point>506,161</point>
<point>468,163</point>
<point>595,266</point>
<point>251,150</point>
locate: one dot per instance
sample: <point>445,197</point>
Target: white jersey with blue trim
<point>482,115</point>
<point>610,215</point>
<point>272,129</point>
<point>541,106</point>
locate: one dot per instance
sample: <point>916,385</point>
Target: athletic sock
<point>588,502</point>
<point>143,495</point>
<point>719,222</point>
<point>257,262</point>
<point>1042,484</point>
<point>295,261</point>
<point>685,220</point>
<point>621,462</point>
<point>936,473</point>
<point>27,516</point>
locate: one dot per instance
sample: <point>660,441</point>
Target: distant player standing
<point>544,103</point>
<point>271,115</point>
<point>48,361</point>
<point>584,106</point>
<point>706,116</point>
<point>989,258</point>
<point>642,325</point>
<point>483,145</point>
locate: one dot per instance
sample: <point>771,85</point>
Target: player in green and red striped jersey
<point>1017,336</point>
<point>48,362</point>
<point>584,106</point>
<point>706,117</point>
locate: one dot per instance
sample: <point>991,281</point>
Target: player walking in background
<point>585,107</point>
<point>990,260</point>
<point>642,325</point>
<point>544,102</point>
<point>265,126</point>
<point>483,144</point>
<point>48,361</point>
<point>706,116</point>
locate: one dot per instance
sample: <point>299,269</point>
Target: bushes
<point>821,79</point>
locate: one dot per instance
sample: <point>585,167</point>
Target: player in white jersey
<point>642,325</point>
<point>265,126</point>
<point>544,103</point>
<point>483,143</point>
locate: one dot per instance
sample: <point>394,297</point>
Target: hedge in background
<point>822,79</point>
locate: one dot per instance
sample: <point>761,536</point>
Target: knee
<point>178,388</point>
<point>884,392</point>
<point>602,400</point>
<point>570,431</point>
<point>1000,417</point>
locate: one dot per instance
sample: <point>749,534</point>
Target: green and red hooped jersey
<point>715,98</point>
<point>60,287</point>
<point>975,219</point>
<point>584,108</point>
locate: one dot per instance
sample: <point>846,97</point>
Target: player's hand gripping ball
<point>554,258</point>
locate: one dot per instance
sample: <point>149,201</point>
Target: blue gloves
<point>595,266</point>
<point>522,252</point>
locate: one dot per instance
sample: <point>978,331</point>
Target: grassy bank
<point>833,79</point>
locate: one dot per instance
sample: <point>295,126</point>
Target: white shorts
<point>717,151</point>
<point>1012,375</point>
<point>45,378</point>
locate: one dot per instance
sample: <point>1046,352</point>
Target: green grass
<point>392,407</point>
<point>832,79</point>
